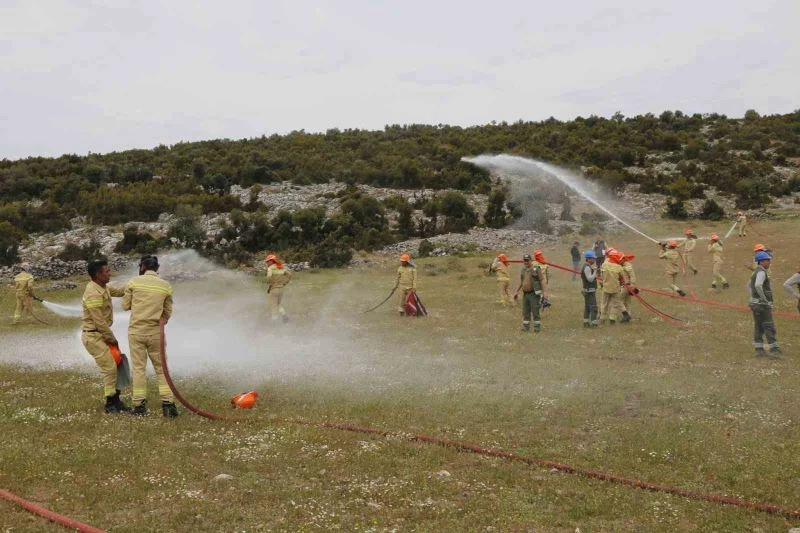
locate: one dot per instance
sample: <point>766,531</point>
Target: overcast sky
<point>80,76</point>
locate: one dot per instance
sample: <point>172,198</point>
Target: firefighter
<point>741,220</point>
<point>531,282</point>
<point>715,248</point>
<point>689,245</point>
<point>601,312</point>
<point>792,286</point>
<point>761,305</point>
<point>149,299</point>
<point>500,268</point>
<point>406,281</point>
<point>758,248</point>
<point>278,277</point>
<point>629,288</point>
<point>96,333</point>
<point>589,290</point>
<point>613,282</point>
<point>670,255</point>
<point>23,288</point>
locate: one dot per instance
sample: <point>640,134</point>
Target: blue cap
<point>589,254</point>
<point>760,256</point>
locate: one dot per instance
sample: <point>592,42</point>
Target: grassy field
<point>689,407</point>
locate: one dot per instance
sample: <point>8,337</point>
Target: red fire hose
<point>50,515</point>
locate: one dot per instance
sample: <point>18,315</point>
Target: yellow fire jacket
<point>501,270</point>
<point>672,257</point>
<point>149,299</point>
<point>23,284</point>
<point>715,249</point>
<point>630,274</point>
<point>98,315</point>
<point>689,245</point>
<point>278,277</point>
<point>612,276</point>
<point>406,277</point>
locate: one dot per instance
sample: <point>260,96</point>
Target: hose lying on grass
<point>53,516</point>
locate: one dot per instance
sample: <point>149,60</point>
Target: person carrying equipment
<point>613,283</point>
<point>741,221</point>
<point>629,286</point>
<point>23,289</point>
<point>670,255</point>
<point>500,268</point>
<point>531,282</point>
<point>406,281</point>
<point>149,299</point>
<point>589,290</point>
<point>792,286</point>
<point>688,249</point>
<point>575,253</point>
<point>278,277</point>
<point>715,248</point>
<point>96,334</point>
<point>761,305</point>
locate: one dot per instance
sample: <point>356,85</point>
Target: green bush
<point>87,252</point>
<point>712,211</point>
<point>10,238</point>
<point>425,248</point>
<point>139,243</point>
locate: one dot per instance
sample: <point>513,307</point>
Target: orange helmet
<point>539,256</point>
<point>503,258</point>
<point>610,251</point>
<point>245,400</point>
<point>759,247</point>
<point>615,256</point>
<point>688,231</point>
<point>714,237</point>
<point>672,244</point>
<point>405,258</point>
<point>271,257</point>
<point>628,258</point>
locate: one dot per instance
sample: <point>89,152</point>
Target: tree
<point>405,220</point>
<point>566,209</point>
<point>496,212</point>
<point>459,216</point>
<point>712,210</point>
<point>10,238</point>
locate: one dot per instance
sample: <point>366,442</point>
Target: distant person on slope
<point>672,268</point>
<point>688,249</point>
<point>715,248</point>
<point>792,286</point>
<point>576,258</point>
<point>589,290</point>
<point>149,299</point>
<point>97,337</point>
<point>761,305</point>
<point>23,289</point>
<point>500,268</point>
<point>406,281</point>
<point>741,221</point>
<point>278,277</point>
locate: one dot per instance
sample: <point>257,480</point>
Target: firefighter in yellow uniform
<point>670,255</point>
<point>96,335</point>
<point>688,250</point>
<point>23,288</point>
<point>741,221</point>
<point>278,277</point>
<point>500,268</point>
<point>406,281</point>
<point>715,248</point>
<point>629,277</point>
<point>613,282</point>
<point>149,299</point>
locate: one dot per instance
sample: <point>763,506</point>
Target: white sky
<point>79,76</point>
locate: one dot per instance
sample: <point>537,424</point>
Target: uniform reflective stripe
<point>91,303</point>
<point>151,288</point>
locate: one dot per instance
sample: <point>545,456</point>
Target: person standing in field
<point>672,268</point>
<point>149,299</point>
<point>278,277</point>
<point>500,268</point>
<point>406,281</point>
<point>629,286</point>
<point>688,249</point>
<point>741,221</point>
<point>531,283</point>
<point>23,290</point>
<point>589,290</point>
<point>613,283</point>
<point>96,334</point>
<point>761,305</point>
<point>792,286</point>
<point>715,248</point>
<point>575,253</point>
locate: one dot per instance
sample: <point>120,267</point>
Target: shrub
<point>712,211</point>
<point>140,243</point>
<point>425,248</point>
<point>87,252</point>
<point>10,238</point>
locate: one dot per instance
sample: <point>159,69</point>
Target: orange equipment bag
<point>245,400</point>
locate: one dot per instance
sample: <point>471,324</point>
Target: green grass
<point>685,407</point>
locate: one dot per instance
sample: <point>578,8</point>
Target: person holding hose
<point>715,248</point>
<point>96,334</point>
<point>149,299</point>
<point>500,268</point>
<point>278,277</point>
<point>688,249</point>
<point>792,286</point>
<point>761,305</point>
<point>741,220</point>
<point>672,268</point>
<point>589,290</point>
<point>532,285</point>
<point>406,281</point>
<point>23,289</point>
<point>613,284</point>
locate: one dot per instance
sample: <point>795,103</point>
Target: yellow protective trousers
<point>611,305</point>
<point>97,348</point>
<point>144,346</point>
<point>401,299</point>
<point>275,299</point>
<point>23,308</point>
<point>505,296</point>
<point>717,271</point>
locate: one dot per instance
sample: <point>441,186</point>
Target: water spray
<point>731,230</point>
<point>68,311</point>
<point>528,167</point>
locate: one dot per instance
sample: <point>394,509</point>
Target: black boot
<point>626,317</point>
<point>169,410</point>
<point>118,403</point>
<point>111,406</point>
<point>681,292</point>
<point>726,285</point>
<point>141,409</point>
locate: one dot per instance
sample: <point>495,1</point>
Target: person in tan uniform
<point>406,281</point>
<point>149,299</point>
<point>97,337</point>
<point>629,287</point>
<point>278,277</point>
<point>613,283</point>
<point>670,254</point>
<point>715,248</point>
<point>688,250</point>
<point>500,268</point>
<point>23,289</point>
<point>741,220</point>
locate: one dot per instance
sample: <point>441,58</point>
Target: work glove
<point>37,298</point>
<point>546,303</point>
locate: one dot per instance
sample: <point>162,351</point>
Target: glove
<point>37,299</point>
<point>545,303</point>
